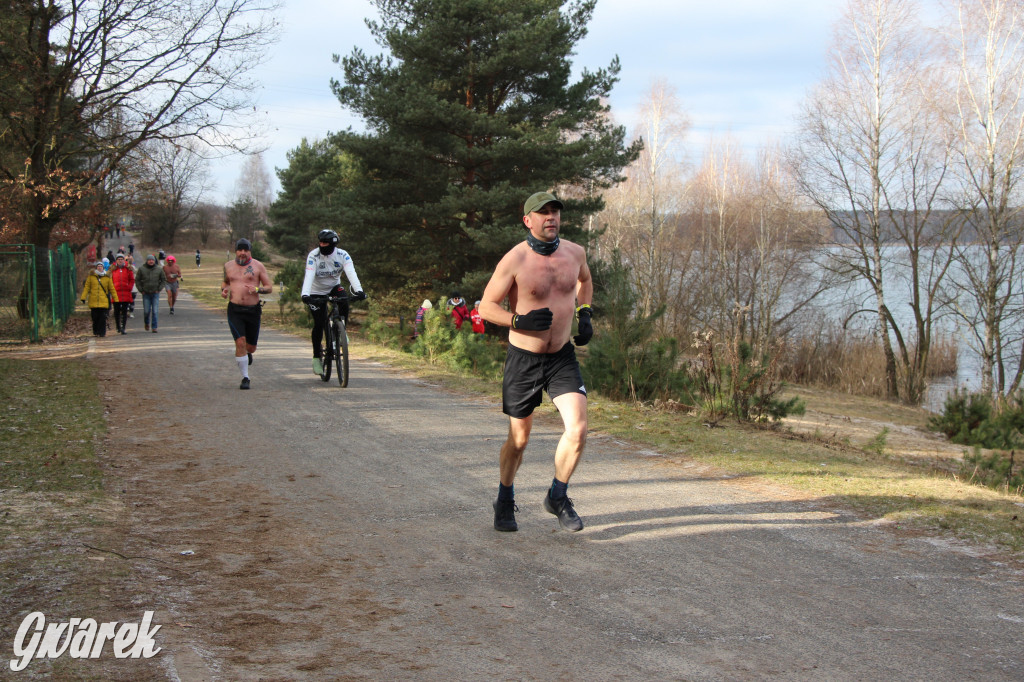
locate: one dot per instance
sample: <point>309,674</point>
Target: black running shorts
<point>528,374</point>
<point>244,320</point>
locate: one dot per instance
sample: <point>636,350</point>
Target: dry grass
<point>51,422</point>
<point>838,360</point>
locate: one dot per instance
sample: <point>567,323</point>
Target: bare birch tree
<point>643,212</point>
<point>254,183</point>
<point>787,277</point>
<point>986,54</point>
<point>254,187</point>
<point>207,217</point>
<point>86,82</point>
<point>759,248</point>
<point>871,155</point>
<point>176,180</point>
<point>715,222</point>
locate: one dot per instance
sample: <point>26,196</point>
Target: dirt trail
<point>300,531</point>
<point>846,419</point>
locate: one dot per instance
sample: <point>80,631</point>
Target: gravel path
<point>346,534</point>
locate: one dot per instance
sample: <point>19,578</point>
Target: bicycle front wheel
<point>341,351</point>
<point>328,354</point>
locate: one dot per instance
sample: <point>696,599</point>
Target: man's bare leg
<point>512,450</point>
<point>509,459</point>
<point>573,409</point>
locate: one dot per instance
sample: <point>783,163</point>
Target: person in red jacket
<point>474,317</point>
<point>123,278</point>
<point>460,313</point>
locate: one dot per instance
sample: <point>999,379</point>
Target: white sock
<point>243,366</point>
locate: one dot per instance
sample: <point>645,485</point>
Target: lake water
<point>855,295</point>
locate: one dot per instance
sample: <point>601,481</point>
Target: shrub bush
<point>625,360</point>
<point>260,253</point>
<point>377,330</point>
<point>997,470</point>
<point>974,419</point>
<point>732,380</point>
<point>755,385</point>
<point>962,416</point>
<point>461,350</point>
<point>289,280</point>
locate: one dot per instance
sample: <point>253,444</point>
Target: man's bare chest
<point>243,273</point>
<point>542,277</point>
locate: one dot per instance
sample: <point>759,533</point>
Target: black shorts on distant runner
<point>244,320</point>
<point>528,374</point>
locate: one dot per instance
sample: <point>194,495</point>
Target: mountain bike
<point>335,336</point>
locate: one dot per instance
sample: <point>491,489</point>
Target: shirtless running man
<point>546,281</point>
<point>244,280</point>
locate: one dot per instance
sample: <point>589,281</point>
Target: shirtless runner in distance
<point>244,280</point>
<point>547,283</point>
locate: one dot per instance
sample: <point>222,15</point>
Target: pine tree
<point>473,111</point>
<point>317,173</point>
<point>627,358</point>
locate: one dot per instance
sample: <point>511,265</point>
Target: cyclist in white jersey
<point>324,266</point>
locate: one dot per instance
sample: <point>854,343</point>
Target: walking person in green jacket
<point>150,281</point>
<point>98,293</point>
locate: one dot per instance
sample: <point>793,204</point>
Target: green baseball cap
<point>538,201</point>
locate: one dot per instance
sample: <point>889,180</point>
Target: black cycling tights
<point>319,320</point>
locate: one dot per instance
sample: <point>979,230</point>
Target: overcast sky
<point>739,67</point>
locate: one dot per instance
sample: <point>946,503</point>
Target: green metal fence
<point>62,284</point>
<point>22,304</point>
<point>19,304</point>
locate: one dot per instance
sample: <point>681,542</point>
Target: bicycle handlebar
<point>316,300</point>
<point>323,298</point>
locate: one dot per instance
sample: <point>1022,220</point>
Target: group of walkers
<point>546,282</point>
<point>115,282</point>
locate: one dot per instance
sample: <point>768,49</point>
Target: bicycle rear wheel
<point>328,354</point>
<point>341,351</point>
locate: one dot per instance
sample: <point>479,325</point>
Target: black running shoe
<point>250,357</point>
<point>562,508</point>
<point>245,384</point>
<point>505,515</point>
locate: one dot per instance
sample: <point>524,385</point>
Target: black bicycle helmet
<point>328,236</point>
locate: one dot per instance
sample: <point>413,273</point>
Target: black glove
<point>585,328</point>
<point>305,299</point>
<point>533,321</point>
<point>358,295</point>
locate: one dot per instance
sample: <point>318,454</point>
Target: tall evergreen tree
<point>244,220</point>
<point>472,112</point>
<point>309,201</point>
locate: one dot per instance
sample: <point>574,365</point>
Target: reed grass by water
<point>850,362</point>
